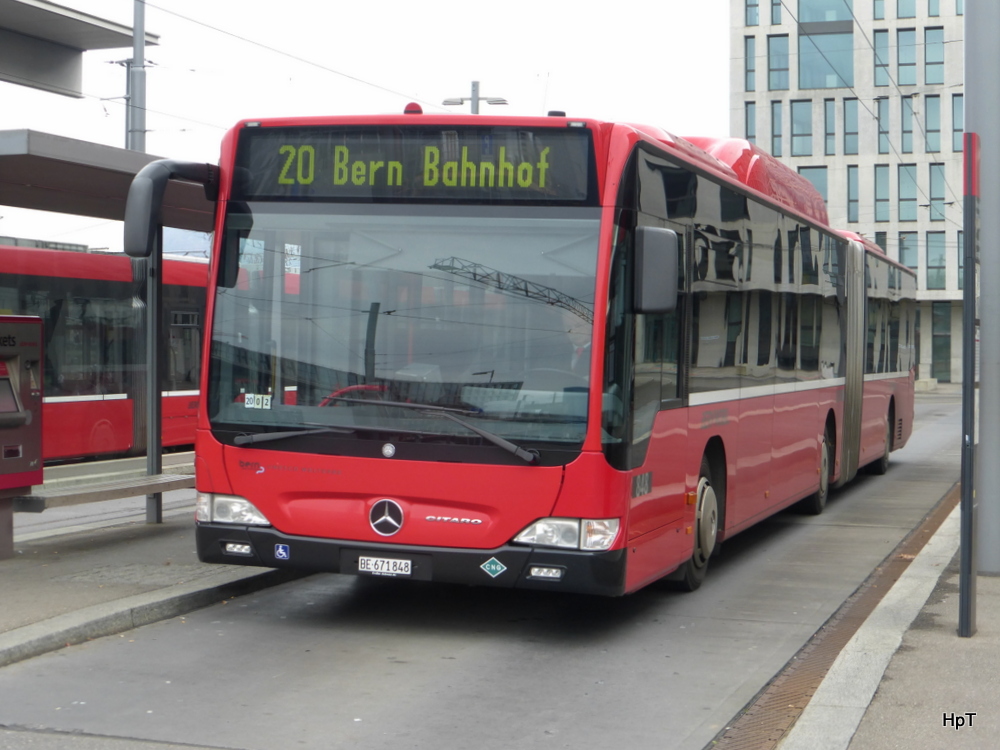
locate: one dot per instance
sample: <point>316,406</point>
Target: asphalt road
<point>335,662</point>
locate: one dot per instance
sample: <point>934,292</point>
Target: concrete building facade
<point>865,99</point>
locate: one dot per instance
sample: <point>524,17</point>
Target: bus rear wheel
<point>691,574</point>
<point>816,502</point>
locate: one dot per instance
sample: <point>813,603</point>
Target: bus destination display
<point>469,164</point>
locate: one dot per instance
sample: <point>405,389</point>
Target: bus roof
<point>757,169</point>
<point>867,243</point>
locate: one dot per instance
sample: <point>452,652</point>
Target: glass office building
<point>865,99</point>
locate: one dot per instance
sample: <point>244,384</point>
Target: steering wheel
<point>351,389</point>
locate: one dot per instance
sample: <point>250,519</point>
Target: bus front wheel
<point>691,574</point>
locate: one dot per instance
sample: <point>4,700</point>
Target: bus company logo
<point>386,517</point>
<point>253,466</point>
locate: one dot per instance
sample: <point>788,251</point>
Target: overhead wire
<point>289,55</point>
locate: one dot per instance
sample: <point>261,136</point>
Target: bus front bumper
<point>509,566</point>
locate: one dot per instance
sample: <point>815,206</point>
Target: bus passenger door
<point>658,420</point>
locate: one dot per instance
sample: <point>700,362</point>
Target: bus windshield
<point>347,315</point>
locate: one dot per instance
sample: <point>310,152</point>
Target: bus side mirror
<point>144,203</point>
<point>656,255</point>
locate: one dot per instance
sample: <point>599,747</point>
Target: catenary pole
<point>147,270</point>
<point>135,137</point>
<point>982,106</point>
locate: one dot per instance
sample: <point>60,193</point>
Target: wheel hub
<point>707,522</point>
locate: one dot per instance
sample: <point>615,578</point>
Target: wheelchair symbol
<point>282,552</point>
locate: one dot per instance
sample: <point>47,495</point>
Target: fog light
<point>232,548</point>
<point>550,573</point>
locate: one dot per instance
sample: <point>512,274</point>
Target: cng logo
<point>493,567</point>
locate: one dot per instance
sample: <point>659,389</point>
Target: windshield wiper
<point>264,437</point>
<point>450,412</point>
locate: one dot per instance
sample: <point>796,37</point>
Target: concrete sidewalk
<point>94,580</point>
<point>906,680</point>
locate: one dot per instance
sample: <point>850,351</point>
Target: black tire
<point>691,574</point>
<point>881,466</point>
<point>816,502</point>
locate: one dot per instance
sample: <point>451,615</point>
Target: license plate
<point>384,566</point>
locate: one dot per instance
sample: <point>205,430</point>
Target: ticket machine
<point>21,362</point>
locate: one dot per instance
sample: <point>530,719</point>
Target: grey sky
<point>663,62</point>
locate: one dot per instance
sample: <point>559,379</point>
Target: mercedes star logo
<point>386,517</point>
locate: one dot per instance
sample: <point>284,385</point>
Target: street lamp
<point>475,99</point>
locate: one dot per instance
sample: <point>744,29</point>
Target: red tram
<point>86,301</point>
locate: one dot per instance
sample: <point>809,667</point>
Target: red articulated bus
<point>94,365</point>
<point>541,353</point>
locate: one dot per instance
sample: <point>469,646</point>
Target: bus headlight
<point>591,535</point>
<point>228,509</point>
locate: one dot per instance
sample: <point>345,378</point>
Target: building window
<point>934,56</point>
<point>750,111</point>
<point>908,249</point>
<point>802,128</point>
<point>777,63</point>
<point>830,127</point>
<point>941,341</point>
<point>752,13</point>
<point>824,11</point>
<point>853,199</point>
<point>775,12</point>
<point>882,240</point>
<point>937,202</point>
<point>957,121</point>
<point>882,115</point>
<point>906,8</point>
<point>879,13</point>
<point>817,176</point>
<point>932,123</point>
<point>934,7</point>
<point>907,192</point>
<point>881,58</point>
<point>906,126</point>
<point>881,192</point>
<point>850,126</point>
<point>959,7</point>
<point>750,63</point>
<point>776,128</point>
<point>935,260</point>
<point>826,61</point>
<point>906,53</point>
